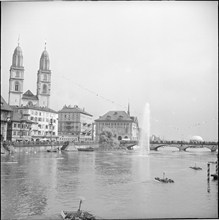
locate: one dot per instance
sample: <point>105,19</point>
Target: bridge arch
<point>164,145</point>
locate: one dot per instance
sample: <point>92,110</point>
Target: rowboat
<point>79,215</point>
<point>52,150</point>
<point>196,168</point>
<point>86,149</point>
<point>164,180</point>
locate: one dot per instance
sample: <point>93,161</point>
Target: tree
<point>107,139</point>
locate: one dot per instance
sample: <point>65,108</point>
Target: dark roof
<point>4,105</point>
<point>115,116</point>
<point>34,108</point>
<point>76,109</point>
<point>29,95</point>
<point>18,117</point>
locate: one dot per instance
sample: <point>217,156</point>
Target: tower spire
<point>45,45</point>
<point>128,110</point>
<point>18,40</point>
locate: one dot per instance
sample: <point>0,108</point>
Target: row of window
<point>18,125</point>
<point>46,127</point>
<point>20,133</point>
<point>43,133</point>
<point>69,116</point>
<point>63,128</point>
<point>43,119</point>
<point>113,124</point>
<point>17,87</point>
<point>42,113</point>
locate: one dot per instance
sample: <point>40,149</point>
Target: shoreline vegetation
<point>108,142</point>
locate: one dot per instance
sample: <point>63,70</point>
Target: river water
<point>113,184</point>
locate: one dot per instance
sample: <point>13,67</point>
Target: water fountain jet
<point>144,141</point>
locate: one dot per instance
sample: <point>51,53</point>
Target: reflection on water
<point>114,184</point>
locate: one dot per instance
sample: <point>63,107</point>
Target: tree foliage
<point>107,140</point>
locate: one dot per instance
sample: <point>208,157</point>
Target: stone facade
<point>75,123</point>
<point>122,125</point>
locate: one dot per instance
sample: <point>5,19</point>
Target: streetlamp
<point>8,120</point>
<point>51,129</point>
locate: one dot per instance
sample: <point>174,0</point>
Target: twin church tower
<point>16,81</point>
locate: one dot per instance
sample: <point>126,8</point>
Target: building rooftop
<point>29,95</point>
<point>5,106</point>
<point>69,109</point>
<point>34,107</point>
<point>19,118</point>
<point>115,116</point>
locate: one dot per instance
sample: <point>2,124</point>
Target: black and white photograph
<point>109,110</point>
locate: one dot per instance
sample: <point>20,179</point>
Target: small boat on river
<point>55,150</point>
<point>164,180</point>
<point>86,149</point>
<point>196,168</point>
<point>77,215</point>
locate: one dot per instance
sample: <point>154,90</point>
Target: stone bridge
<point>182,146</point>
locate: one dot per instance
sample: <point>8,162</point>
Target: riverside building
<point>75,124</point>
<point>5,118</point>
<point>42,120</point>
<point>122,125</point>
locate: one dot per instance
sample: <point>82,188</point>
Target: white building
<point>45,121</point>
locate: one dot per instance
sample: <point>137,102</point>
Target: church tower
<point>16,79</point>
<point>128,112</point>
<point>44,80</point>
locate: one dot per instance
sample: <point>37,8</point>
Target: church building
<point>32,107</point>
<point>17,97</point>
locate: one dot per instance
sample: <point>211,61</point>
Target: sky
<point>104,55</point>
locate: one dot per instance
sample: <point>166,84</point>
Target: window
<point>17,74</point>
<point>15,125</point>
<point>18,125</point>
<point>14,133</point>
<point>44,88</point>
<point>16,86</point>
<point>45,77</point>
<point>30,103</point>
